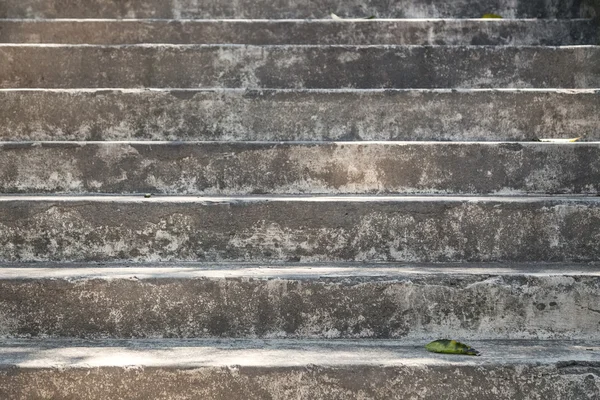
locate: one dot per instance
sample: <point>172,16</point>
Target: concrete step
<point>286,8</point>
<point>276,369</point>
<point>311,228</point>
<point>223,168</point>
<point>549,32</point>
<point>275,115</point>
<point>190,300</point>
<point>296,67</point>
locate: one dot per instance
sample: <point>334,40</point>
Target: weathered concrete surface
<point>276,115</point>
<point>397,32</point>
<point>285,8</point>
<point>590,8</point>
<point>221,168</point>
<point>165,369</point>
<point>310,301</point>
<point>296,67</point>
<point>358,228</point>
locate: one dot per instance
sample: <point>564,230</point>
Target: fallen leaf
<point>561,140</point>
<point>447,346</point>
<point>489,16</point>
<point>335,17</point>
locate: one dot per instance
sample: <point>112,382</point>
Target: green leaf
<point>447,346</point>
<point>487,16</point>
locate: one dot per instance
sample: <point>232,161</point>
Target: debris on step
<point>561,140</point>
<point>447,346</point>
<point>337,18</point>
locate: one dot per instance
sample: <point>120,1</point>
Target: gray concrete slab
<point>167,369</point>
<point>549,32</point>
<point>329,300</point>
<point>311,228</point>
<point>301,286</point>
<point>297,67</point>
<point>222,168</point>
<point>276,115</point>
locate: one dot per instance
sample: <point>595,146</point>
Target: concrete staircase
<point>327,196</point>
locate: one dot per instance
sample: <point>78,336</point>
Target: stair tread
<point>196,353</point>
<point>389,143</point>
<point>289,46</point>
<point>74,271</point>
<point>257,369</point>
<point>218,90</point>
<point>298,20</point>
<point>349,198</point>
<point>330,271</point>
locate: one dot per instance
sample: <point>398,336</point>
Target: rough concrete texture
<point>286,8</point>
<point>257,32</point>
<point>221,168</point>
<point>296,67</point>
<point>172,370</point>
<point>308,301</point>
<point>340,228</point>
<point>276,115</point>
<point>590,9</point>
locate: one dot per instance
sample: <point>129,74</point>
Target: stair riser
<point>409,32</point>
<point>326,168</point>
<point>26,66</point>
<point>552,382</point>
<point>285,9</point>
<point>299,230</point>
<point>422,307</point>
<point>298,115</point>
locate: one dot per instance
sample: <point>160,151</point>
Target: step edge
<point>329,271</point>
<point>304,20</point>
<point>292,46</point>
<point>365,198</point>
